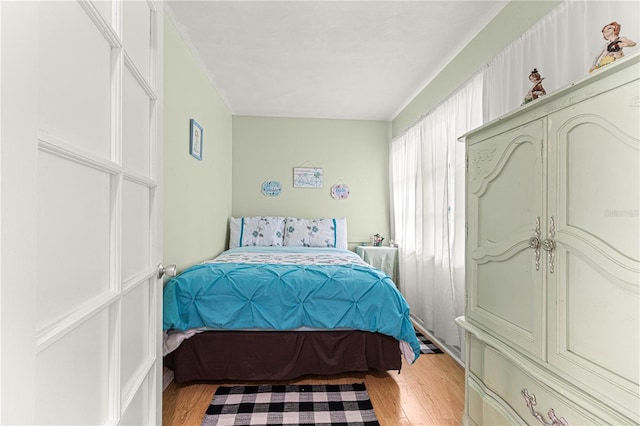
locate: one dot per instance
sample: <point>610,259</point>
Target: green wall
<point>351,152</point>
<point>512,21</point>
<point>197,194</point>
<point>242,152</point>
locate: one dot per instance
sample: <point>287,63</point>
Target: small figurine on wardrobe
<point>613,49</point>
<point>536,90</point>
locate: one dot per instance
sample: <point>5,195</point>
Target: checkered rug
<point>426,346</point>
<point>291,405</point>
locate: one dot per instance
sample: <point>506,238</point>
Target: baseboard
<point>452,352</point>
<point>167,378</point>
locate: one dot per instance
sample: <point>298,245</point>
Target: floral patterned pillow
<point>315,233</point>
<point>256,231</point>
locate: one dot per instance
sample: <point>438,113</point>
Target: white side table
<point>383,258</point>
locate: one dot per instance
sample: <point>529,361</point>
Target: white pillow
<point>256,231</point>
<point>328,232</point>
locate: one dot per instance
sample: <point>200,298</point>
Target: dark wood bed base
<point>275,355</point>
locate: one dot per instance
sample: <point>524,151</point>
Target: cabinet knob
<point>534,242</point>
<point>549,245</point>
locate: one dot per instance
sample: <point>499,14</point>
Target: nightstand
<point>383,258</point>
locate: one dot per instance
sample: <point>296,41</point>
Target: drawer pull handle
<point>531,401</point>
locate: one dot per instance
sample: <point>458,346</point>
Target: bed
<point>277,308</point>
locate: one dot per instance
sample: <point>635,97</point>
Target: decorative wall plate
<point>340,191</point>
<point>271,188</point>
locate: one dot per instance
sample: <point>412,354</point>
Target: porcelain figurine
<point>613,48</point>
<point>536,89</point>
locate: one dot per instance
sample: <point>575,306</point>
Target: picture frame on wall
<point>196,137</point>
<point>307,177</point>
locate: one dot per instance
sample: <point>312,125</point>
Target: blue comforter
<point>280,288</point>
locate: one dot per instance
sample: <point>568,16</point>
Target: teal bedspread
<point>281,288</point>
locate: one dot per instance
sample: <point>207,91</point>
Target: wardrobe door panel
<point>596,280</point>
<point>505,195</point>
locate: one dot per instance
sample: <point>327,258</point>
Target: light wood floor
<point>429,392</point>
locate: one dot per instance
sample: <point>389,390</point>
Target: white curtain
<point>427,187</point>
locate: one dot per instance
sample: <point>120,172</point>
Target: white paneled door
<point>80,173</point>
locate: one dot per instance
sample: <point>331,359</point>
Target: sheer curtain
<point>427,191</point>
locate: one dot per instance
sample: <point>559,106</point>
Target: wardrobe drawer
<point>515,387</point>
<point>484,409</point>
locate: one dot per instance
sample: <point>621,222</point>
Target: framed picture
<point>307,177</point>
<point>195,139</point>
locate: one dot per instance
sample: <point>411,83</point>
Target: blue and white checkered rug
<point>291,405</point>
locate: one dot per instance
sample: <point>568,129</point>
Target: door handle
<point>169,270</point>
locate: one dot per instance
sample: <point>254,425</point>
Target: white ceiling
<point>326,59</point>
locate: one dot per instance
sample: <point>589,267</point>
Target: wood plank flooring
<point>429,392</point>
